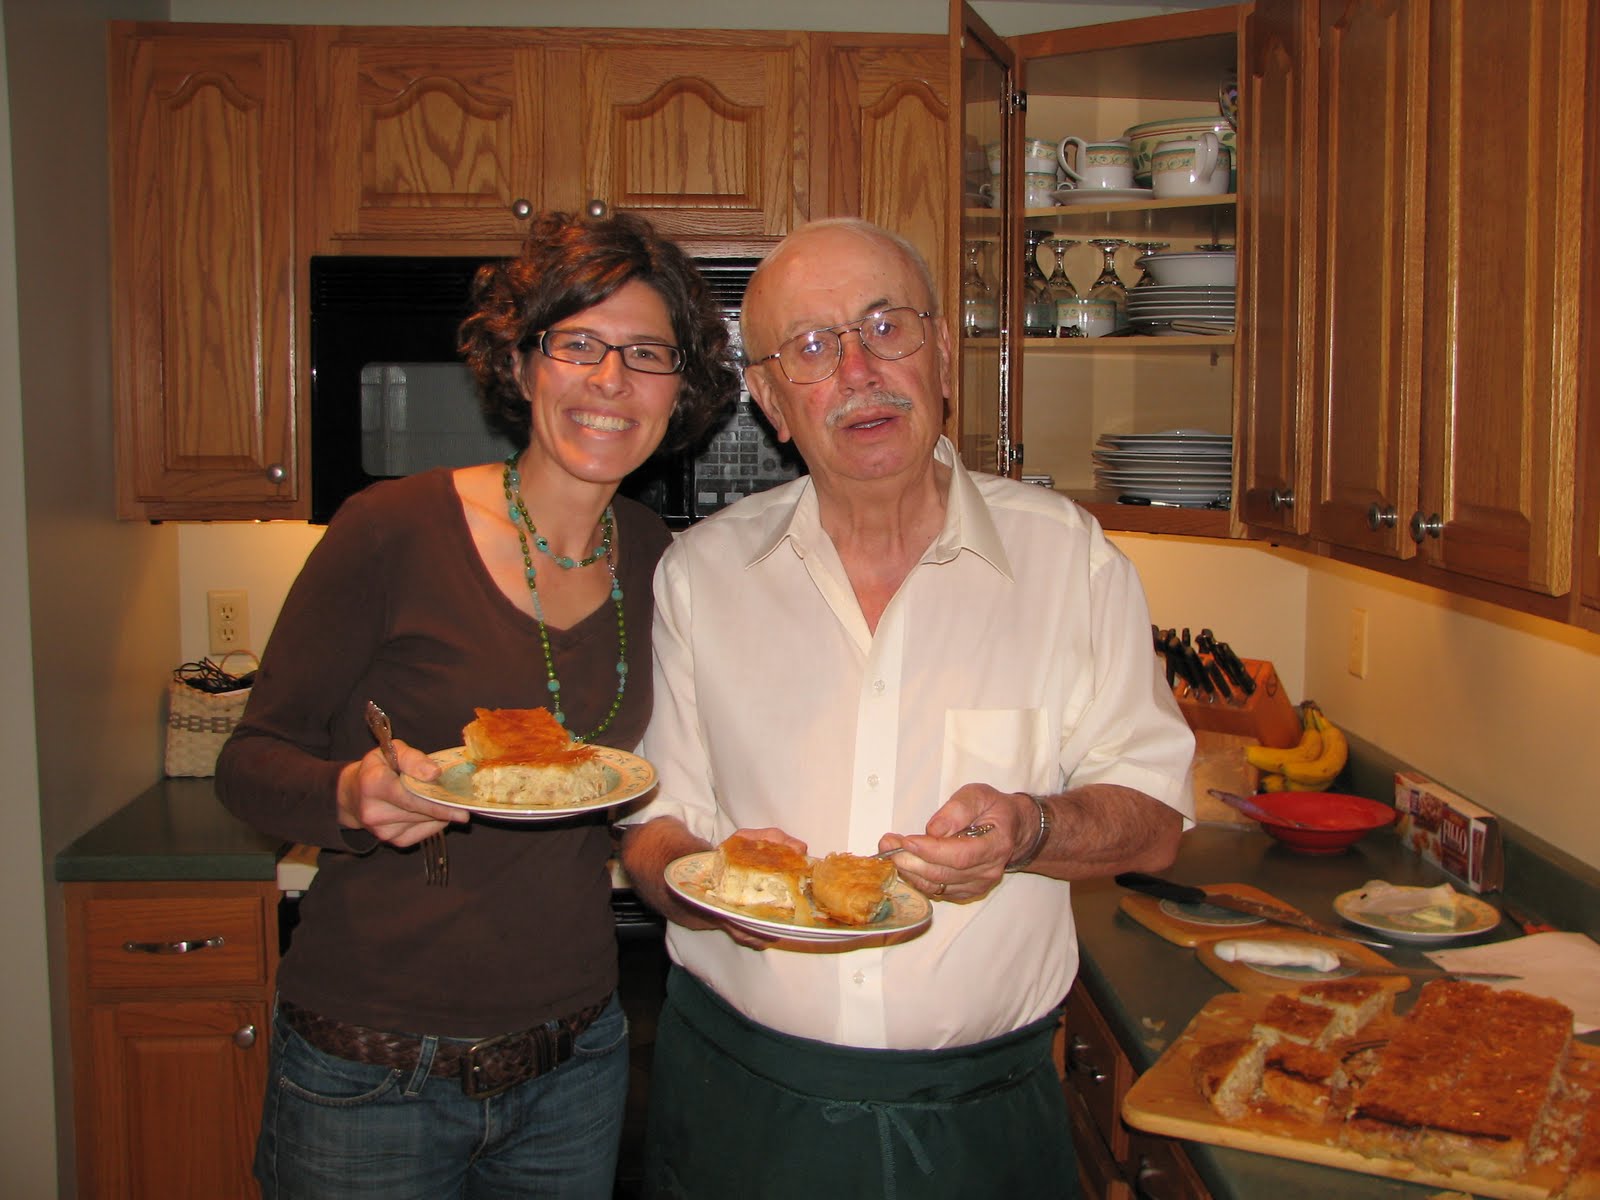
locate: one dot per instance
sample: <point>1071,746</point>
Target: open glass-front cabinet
<point>1092,363</point>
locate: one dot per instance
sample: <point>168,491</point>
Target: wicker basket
<point>202,710</point>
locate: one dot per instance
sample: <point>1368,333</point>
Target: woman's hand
<point>371,797</point>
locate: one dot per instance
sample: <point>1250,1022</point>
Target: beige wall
<point>27,1112</point>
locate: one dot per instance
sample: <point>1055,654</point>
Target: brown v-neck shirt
<point>395,605</point>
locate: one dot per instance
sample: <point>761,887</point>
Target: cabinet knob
<point>1282,498</point>
<point>1078,1060</point>
<point>596,208</point>
<point>276,473</point>
<point>245,1038</point>
<point>521,209</point>
<point>187,946</point>
<point>1381,517</point>
<point>1425,527</point>
<point>1147,1180</point>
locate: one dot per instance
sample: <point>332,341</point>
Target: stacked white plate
<point>1187,467</point>
<point>1194,308</point>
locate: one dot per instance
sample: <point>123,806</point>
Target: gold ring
<point>940,892</point>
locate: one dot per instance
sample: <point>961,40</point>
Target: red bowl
<point>1333,822</point>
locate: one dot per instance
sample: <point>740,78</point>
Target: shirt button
<point>872,780</point>
<point>859,977</point>
<point>878,685</point>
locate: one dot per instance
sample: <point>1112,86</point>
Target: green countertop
<point>176,829</point>
<point>1149,989</point>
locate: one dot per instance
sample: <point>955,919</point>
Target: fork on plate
<point>435,858</point>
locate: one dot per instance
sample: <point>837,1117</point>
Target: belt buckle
<point>476,1081</point>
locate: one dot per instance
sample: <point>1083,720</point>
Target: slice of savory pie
<point>525,757</point>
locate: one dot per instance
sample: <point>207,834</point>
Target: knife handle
<point>1161,889</point>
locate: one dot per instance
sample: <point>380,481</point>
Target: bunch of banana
<point>1311,764</point>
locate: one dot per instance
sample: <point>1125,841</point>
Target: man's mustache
<point>860,403</point>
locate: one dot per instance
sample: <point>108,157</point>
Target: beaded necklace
<point>511,481</point>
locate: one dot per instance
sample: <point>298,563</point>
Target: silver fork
<point>435,858</point>
<point>969,831</point>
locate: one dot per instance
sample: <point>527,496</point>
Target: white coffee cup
<point>1107,164</point>
<point>1189,167</point>
<point>1039,190</point>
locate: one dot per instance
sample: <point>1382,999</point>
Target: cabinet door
<point>881,113</point>
<point>987,373</point>
<point>1371,154</point>
<point>178,1086</point>
<point>700,138</point>
<point>1276,207</point>
<point>428,137</point>
<point>1505,207</point>
<point>203,255</point>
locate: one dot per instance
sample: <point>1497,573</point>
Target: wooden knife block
<point>1265,714</point>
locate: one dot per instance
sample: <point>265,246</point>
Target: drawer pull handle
<point>245,1038</point>
<point>187,946</point>
<point>1078,1060</point>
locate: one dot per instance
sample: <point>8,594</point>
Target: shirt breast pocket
<point>1008,748</point>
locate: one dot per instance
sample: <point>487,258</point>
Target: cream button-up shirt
<point>1016,653</point>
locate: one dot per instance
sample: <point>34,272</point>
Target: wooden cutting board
<point>1164,1101</point>
<point>1258,977</point>
<point>1183,926</point>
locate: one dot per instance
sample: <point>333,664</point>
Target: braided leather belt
<point>485,1068</point>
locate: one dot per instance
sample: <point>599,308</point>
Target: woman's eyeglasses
<point>586,350</point>
<point>812,356</point>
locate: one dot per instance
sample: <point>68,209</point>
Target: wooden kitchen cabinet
<point>203,176</point>
<point>433,135</point>
<point>1449,155</point>
<point>456,135</point>
<point>1042,403</point>
<point>1273,434</point>
<point>1114,1162</point>
<point>704,132</point>
<point>880,112</point>
<point>170,991</point>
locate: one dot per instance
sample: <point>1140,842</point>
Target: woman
<point>465,1039</point>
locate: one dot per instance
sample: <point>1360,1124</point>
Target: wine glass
<point>1068,309</point>
<point>1038,301</point>
<point>1108,286</point>
<point>979,317</point>
<point>1146,279</point>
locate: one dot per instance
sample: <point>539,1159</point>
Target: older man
<point>878,656</point>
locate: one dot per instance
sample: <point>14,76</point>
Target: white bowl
<point>1196,267</point>
<point>1144,139</point>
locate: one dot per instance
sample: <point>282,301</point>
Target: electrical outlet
<point>1358,643</point>
<point>228,621</point>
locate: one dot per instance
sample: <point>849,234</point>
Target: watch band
<point>1039,841</point>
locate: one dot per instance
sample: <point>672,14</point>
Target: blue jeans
<point>333,1128</point>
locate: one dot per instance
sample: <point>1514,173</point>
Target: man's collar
<point>968,524</point>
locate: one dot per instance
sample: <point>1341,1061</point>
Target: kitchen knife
<point>1528,922</point>
<point>1179,893</point>
<point>1236,668</point>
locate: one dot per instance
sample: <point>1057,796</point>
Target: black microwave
<point>390,395</point>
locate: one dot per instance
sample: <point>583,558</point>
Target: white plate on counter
<point>1473,916</point>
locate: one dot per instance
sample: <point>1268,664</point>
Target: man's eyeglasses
<point>586,350</point>
<point>812,356</point>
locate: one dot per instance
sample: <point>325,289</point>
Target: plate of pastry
<point>520,764</point>
<point>770,888</point>
<point>623,777</point>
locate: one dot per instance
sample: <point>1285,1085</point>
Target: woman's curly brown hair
<point>569,263</point>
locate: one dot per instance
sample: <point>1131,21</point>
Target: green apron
<point>737,1109</point>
